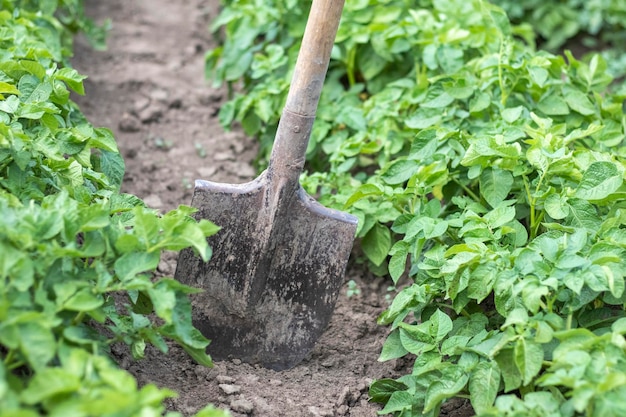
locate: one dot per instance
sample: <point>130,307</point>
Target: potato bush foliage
<point>76,255</point>
<point>488,172</point>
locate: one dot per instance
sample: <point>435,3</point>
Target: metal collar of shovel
<point>279,260</point>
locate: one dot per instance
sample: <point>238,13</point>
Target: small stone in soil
<point>343,397</point>
<point>242,406</point>
<point>158,94</point>
<point>237,361</point>
<point>223,156</point>
<point>206,172</point>
<point>230,389</point>
<point>208,99</point>
<point>150,114</point>
<point>129,124</point>
<point>153,201</point>
<point>246,171</point>
<point>201,371</point>
<point>319,412</point>
<point>141,103</point>
<point>225,379</point>
<point>343,410</point>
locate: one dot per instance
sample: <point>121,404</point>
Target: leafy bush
<point>598,25</point>
<point>488,172</point>
<point>76,255</point>
<point>596,22</point>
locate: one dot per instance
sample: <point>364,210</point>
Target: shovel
<point>278,261</point>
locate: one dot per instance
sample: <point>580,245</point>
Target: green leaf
<point>397,264</point>
<point>450,384</point>
<point>33,91</point>
<point>400,171</point>
<point>481,281</point>
<point>528,357</point>
<point>423,118</point>
<point>582,214</point>
<point>37,343</point>
<point>479,102</point>
<point>424,145</point>
<point>556,206</point>
<point>440,325</point>
<point>499,18</point>
<point>182,331</point>
<point>484,384</point>
<point>377,243</point>
<point>442,100</point>
<point>364,191</point>
<point>578,101</point>
<point>599,181</point>
<point>392,348</point>
<point>500,216</point>
<point>48,383</point>
<point>398,402</point>
<point>83,300</point>
<point>553,105</point>
<point>163,298</point>
<point>512,114</point>
<point>495,185</point>
<point>112,165</point>
<point>518,316</point>
<point>619,326</point>
<point>416,339</point>
<point>10,105</point>
<point>381,390</point>
<point>6,88</point>
<point>510,373</point>
<point>130,264</point>
<point>72,78</point>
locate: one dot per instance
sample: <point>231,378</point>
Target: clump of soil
<point>149,88</point>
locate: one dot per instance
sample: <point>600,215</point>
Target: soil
<point>149,88</point>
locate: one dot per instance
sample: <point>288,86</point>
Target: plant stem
<point>79,318</point>
<point>531,203</point>
<point>467,190</point>
<point>503,95</point>
<point>9,357</point>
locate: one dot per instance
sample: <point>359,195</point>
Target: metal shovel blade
<point>268,294</point>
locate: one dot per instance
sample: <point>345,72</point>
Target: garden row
<point>488,172</point>
<point>76,254</point>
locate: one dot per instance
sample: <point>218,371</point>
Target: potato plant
<point>487,172</point>
<point>76,256</point>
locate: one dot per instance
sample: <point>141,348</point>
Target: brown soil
<point>149,88</point>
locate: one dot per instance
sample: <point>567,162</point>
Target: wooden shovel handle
<point>294,130</point>
<point>312,64</point>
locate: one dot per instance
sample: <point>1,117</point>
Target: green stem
<point>79,318</point>
<point>467,190</point>
<point>503,95</point>
<point>9,357</point>
<point>351,58</point>
<point>531,204</point>
<point>15,365</point>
